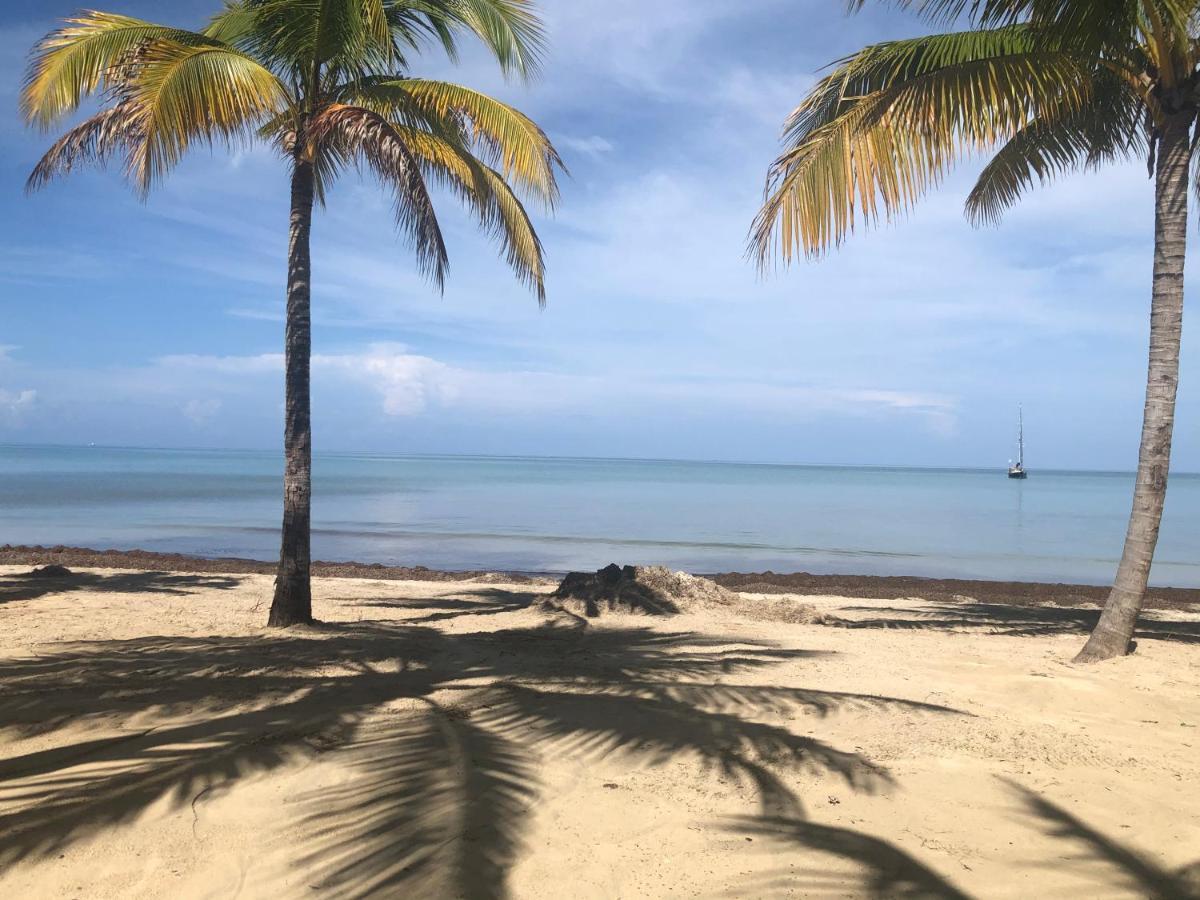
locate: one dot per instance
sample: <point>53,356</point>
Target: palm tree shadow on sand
<point>31,586</point>
<point>441,734</point>
<point>1103,866</point>
<point>1018,621</point>
<point>1104,862</point>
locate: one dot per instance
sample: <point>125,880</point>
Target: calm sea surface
<point>559,514</point>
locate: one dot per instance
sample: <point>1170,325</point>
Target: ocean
<point>554,515</point>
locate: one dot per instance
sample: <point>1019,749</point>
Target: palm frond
<point>510,29</point>
<point>200,93</point>
<point>348,29</point>
<point>994,13</point>
<point>85,54</point>
<point>890,121</point>
<point>485,192</point>
<point>1090,27</point>
<point>311,37</point>
<point>355,133</point>
<point>1109,128</point>
<point>119,130</point>
<point>502,136</point>
<point>511,226</point>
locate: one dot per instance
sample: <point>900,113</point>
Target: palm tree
<point>1053,86</point>
<point>327,83</point>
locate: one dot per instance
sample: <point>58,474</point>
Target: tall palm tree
<point>1053,86</point>
<point>326,82</point>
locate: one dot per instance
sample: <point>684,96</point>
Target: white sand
<point>446,740</point>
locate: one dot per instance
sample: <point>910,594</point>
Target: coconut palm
<point>1052,86</point>
<point>327,83</point>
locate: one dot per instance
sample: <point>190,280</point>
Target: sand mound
<point>643,590</point>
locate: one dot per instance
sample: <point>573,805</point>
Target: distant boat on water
<point>1017,470</point>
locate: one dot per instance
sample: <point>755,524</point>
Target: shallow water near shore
<point>551,515</point>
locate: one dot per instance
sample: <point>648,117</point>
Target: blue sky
<point>160,323</point>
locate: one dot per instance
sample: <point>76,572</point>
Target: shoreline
<point>865,587</point>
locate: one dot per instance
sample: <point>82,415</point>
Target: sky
<point>160,323</point>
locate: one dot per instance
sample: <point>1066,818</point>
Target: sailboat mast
<point>1020,437</point>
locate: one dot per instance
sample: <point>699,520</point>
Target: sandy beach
<point>450,738</point>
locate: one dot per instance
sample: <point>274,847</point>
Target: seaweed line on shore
<point>868,587</point>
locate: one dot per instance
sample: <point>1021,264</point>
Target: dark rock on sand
<point>51,571</point>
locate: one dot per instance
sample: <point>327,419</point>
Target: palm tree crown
<point>326,82</point>
<point>1055,85</point>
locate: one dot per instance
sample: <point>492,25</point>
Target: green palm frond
<point>87,54</point>
<point>888,123</point>
<point>306,36</point>
<point>1107,129</point>
<point>1090,27</point>
<point>511,29</point>
<point>355,133</point>
<point>992,13</point>
<point>504,137</point>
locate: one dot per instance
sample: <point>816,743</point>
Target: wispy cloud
<point>408,384</point>
<point>592,146</point>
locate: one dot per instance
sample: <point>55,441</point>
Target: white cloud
<point>201,412</point>
<point>15,404</point>
<point>594,145</point>
<point>407,384</point>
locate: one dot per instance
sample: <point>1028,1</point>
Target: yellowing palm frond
<point>514,229</point>
<point>504,137</point>
<point>888,123</point>
<point>84,55</point>
<point>488,195</point>
<point>193,93</point>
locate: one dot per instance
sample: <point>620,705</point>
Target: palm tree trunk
<point>293,592</point>
<point>1113,634</point>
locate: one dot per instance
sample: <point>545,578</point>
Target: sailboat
<point>1018,470</point>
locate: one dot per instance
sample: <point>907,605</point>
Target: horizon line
<point>396,454</point>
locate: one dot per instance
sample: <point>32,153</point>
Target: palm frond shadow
<point>27,586</point>
<point>437,805</point>
<point>1103,860</point>
<point>440,734</point>
<point>494,602</point>
<point>1011,620</point>
<point>882,868</point>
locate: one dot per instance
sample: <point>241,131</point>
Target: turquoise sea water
<point>558,514</point>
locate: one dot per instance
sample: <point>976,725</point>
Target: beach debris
<point>787,610</point>
<point>643,590</point>
<point>51,571</point>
